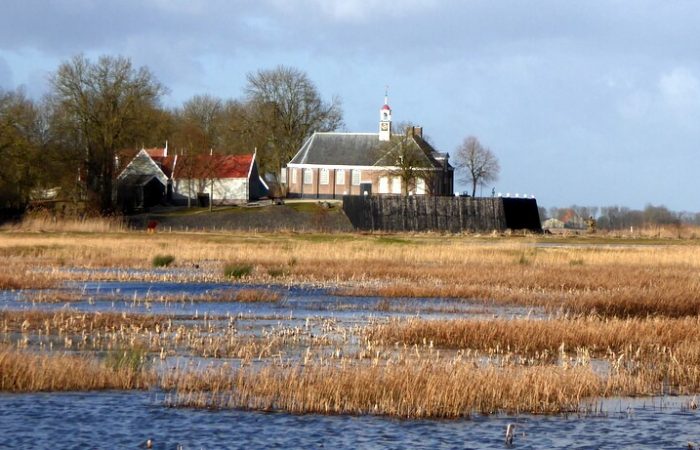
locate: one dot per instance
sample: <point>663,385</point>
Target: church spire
<point>385,118</point>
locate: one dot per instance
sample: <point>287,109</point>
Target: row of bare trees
<point>620,217</point>
<point>95,109</point>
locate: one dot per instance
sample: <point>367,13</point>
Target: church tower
<point>385,120</point>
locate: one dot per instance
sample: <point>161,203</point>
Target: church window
<point>340,176</point>
<point>396,185</point>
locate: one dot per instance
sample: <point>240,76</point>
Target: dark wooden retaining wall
<point>453,214</point>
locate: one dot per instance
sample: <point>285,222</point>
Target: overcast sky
<point>584,102</point>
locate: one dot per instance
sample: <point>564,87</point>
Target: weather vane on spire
<point>386,94</point>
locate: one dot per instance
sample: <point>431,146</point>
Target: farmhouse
<point>154,177</point>
<point>332,164</point>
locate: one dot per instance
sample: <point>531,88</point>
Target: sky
<point>586,102</point>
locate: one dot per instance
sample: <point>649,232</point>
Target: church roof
<point>345,149</point>
<point>355,149</point>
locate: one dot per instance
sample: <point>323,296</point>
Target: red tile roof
<point>205,166</point>
<point>155,152</point>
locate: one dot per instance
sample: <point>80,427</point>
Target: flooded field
<point>420,346</point>
<point>127,420</point>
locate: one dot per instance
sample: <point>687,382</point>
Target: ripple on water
<point>127,419</point>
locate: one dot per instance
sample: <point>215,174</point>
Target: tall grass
<point>527,337</point>
<point>237,270</point>
<point>25,281</point>
<point>622,281</point>
<point>73,321</point>
<point>416,390</point>
<point>22,371</point>
<point>257,295</point>
<point>46,222</point>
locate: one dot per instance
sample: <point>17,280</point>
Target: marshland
<point>382,336</point>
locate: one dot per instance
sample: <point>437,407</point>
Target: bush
<point>277,272</point>
<point>134,359</point>
<point>235,270</point>
<point>163,260</point>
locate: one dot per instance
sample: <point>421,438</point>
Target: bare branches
<point>479,163</point>
<point>288,104</point>
<point>106,104</point>
<point>404,159</point>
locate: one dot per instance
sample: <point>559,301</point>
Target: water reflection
<point>126,420</point>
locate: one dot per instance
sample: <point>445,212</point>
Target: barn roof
<point>206,166</point>
<point>157,151</point>
<point>147,161</point>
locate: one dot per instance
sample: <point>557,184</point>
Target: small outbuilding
<point>153,177</point>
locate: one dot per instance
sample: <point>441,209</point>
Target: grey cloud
<point>556,87</point>
<point>6,81</point>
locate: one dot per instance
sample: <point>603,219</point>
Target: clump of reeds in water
<point>10,281</point>
<point>22,371</point>
<point>528,336</point>
<point>417,382</point>
<point>257,295</point>
<point>238,270</point>
<point>75,321</point>
<point>424,388</point>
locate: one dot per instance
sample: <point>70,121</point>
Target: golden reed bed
<point>624,320</point>
<point>615,278</point>
<point>22,371</point>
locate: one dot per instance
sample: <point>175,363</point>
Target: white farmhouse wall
<point>230,190</point>
<point>226,190</point>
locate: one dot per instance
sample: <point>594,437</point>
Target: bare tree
<point>105,105</point>
<point>404,159</point>
<point>479,163</point>
<point>286,104</point>
<point>205,113</point>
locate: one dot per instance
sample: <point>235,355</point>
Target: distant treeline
<point>96,110</point>
<point>619,217</point>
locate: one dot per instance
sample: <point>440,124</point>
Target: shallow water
<point>125,420</point>
<point>133,296</point>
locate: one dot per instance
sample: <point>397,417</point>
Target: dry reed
<point>22,371</point>
<point>412,390</point>
<point>45,222</point>
<point>257,295</point>
<point>25,281</point>
<point>526,337</point>
<point>76,322</point>
<point>623,280</point>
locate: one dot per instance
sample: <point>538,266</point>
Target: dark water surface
<point>138,297</point>
<point>108,420</point>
